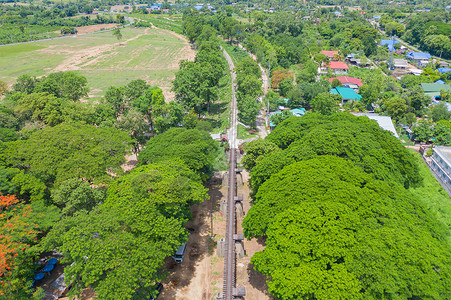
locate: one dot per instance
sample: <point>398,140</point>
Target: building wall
<point>441,167</point>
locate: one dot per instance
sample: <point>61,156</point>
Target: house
<point>347,94</point>
<point>338,67</point>
<point>330,54</point>
<point>390,44</point>
<point>298,112</point>
<point>418,57</point>
<point>377,18</point>
<point>384,122</point>
<point>350,56</point>
<point>444,70</point>
<point>360,62</point>
<point>440,82</point>
<point>349,82</point>
<point>423,63</point>
<point>441,165</point>
<point>433,89</point>
<point>416,72</point>
<point>400,64</point>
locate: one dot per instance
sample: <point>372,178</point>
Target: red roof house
<point>330,54</point>
<point>345,80</point>
<point>338,67</point>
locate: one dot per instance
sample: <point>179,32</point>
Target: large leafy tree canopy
<point>335,232</point>
<point>355,138</point>
<point>119,247</point>
<point>55,154</point>
<point>193,146</point>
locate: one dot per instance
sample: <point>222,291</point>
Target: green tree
<point>440,112</point>
<point>256,150</point>
<point>325,239</point>
<point>336,82</point>
<point>325,103</point>
<point>138,226</point>
<point>75,195</point>
<point>117,33</point>
<point>65,151</point>
<point>248,108</point>
<point>370,95</point>
<point>192,146</point>
<point>397,108</point>
<point>423,130</point>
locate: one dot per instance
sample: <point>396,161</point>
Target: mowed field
<point>151,54</point>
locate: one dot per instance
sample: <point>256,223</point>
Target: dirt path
<point>199,276</point>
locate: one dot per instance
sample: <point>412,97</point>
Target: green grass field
<point>433,195</point>
<point>143,53</point>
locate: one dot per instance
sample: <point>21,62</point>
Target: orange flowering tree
<point>17,234</point>
<point>278,76</point>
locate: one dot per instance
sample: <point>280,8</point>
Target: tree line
<point>332,198</point>
<point>63,186</point>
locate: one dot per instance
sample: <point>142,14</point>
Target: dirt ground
<point>81,59</point>
<point>94,28</point>
<point>254,282</point>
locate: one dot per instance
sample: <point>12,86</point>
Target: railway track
<point>229,257</point>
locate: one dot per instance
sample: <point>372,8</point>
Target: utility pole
<point>391,54</point>
<point>12,41</point>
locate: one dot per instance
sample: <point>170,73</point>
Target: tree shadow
<point>258,280</point>
<point>199,244</point>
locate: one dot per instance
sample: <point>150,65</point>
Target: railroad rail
<point>229,253</point>
<point>229,257</point>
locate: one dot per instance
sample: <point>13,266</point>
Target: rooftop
<point>384,122</point>
<point>444,70</point>
<point>390,44</point>
<point>445,152</point>
<point>329,54</point>
<point>346,79</point>
<point>338,65</point>
<point>418,55</point>
<point>346,93</point>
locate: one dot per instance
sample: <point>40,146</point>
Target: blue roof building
<point>418,55</point>
<point>440,82</point>
<point>347,94</point>
<point>390,44</point>
<point>444,70</point>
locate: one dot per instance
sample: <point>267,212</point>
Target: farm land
<point>151,54</point>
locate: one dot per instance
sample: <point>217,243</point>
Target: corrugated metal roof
<point>384,122</point>
<point>346,93</point>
